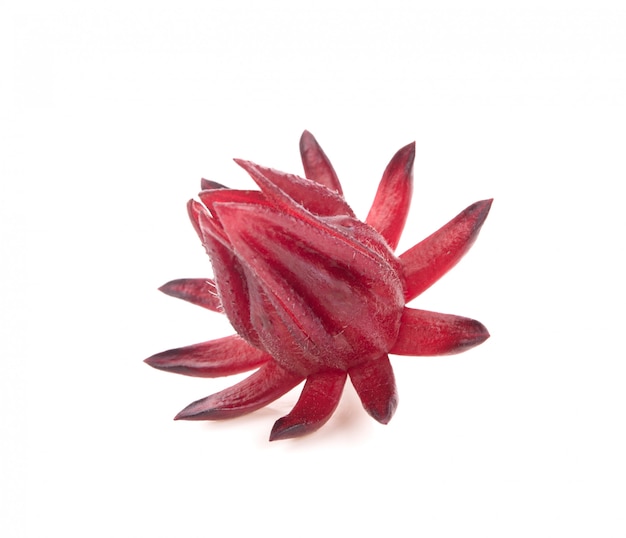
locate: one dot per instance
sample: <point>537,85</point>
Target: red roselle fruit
<point>314,293</point>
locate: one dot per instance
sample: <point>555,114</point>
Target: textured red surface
<point>314,293</point>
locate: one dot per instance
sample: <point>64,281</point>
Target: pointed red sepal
<point>393,198</point>
<point>224,356</point>
<point>194,210</point>
<point>317,403</point>
<point>209,185</point>
<point>287,190</point>
<point>269,383</point>
<point>198,291</point>
<point>316,164</point>
<point>433,257</point>
<point>424,333</point>
<point>376,386</point>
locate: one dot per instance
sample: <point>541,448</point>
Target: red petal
<point>316,164</point>
<point>376,386</point>
<point>225,356</point>
<point>199,291</point>
<point>211,197</point>
<point>261,388</point>
<point>393,198</point>
<point>425,333</point>
<point>317,403</point>
<point>287,190</point>
<point>433,257</point>
<point>338,238</point>
<point>230,276</point>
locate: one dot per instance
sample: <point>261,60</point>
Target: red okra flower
<point>314,293</point>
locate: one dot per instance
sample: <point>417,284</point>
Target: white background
<point>112,111</point>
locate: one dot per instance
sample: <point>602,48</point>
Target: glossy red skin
<point>314,293</point>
